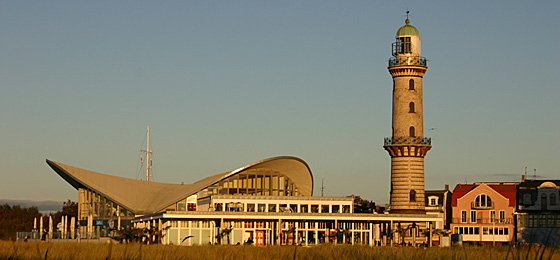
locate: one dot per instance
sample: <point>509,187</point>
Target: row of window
<point>190,224</point>
<point>299,224</point>
<point>485,230</point>
<point>97,205</point>
<point>476,217</point>
<point>411,107</point>
<point>549,200</point>
<point>295,208</point>
<point>254,182</point>
<point>539,221</point>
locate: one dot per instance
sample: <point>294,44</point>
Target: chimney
<point>446,186</point>
<point>522,178</point>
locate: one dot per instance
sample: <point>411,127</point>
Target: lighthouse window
<point>403,45</point>
<point>411,107</point>
<point>411,130</point>
<point>412,195</point>
<point>411,84</point>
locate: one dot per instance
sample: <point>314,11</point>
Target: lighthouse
<point>407,145</point>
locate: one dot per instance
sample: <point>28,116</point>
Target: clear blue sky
<point>226,83</point>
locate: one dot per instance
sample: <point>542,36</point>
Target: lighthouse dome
<point>407,29</point>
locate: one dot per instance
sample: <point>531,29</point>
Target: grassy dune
<point>20,250</point>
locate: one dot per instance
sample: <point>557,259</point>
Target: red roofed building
<point>483,212</point>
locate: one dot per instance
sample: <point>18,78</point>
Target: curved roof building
<point>277,176</point>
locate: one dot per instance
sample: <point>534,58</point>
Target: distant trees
<point>363,206</point>
<point>69,208</point>
<point>16,218</point>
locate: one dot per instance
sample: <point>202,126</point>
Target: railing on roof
<point>482,221</point>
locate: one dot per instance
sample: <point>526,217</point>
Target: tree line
<point>15,219</point>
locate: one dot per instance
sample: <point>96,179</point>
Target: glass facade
<point>92,203</point>
<point>265,182</point>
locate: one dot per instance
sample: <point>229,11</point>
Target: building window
<point>412,196</point>
<point>463,216</point>
<point>533,221</point>
<point>542,221</point>
<point>473,216</point>
<point>483,201</point>
<point>181,206</point>
<point>411,130</point>
<point>543,202</point>
<point>433,201</point>
<point>527,199</point>
<point>551,221</point>
<point>411,107</point>
<point>552,199</point>
<point>502,216</point>
<point>271,207</point>
<point>411,84</point>
<point>335,208</point>
<point>492,216</point>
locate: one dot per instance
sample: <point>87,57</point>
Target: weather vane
<point>407,12</point>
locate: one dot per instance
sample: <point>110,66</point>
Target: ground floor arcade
<point>203,228</point>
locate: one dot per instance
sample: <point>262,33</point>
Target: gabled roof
<point>509,191</point>
<point>142,197</point>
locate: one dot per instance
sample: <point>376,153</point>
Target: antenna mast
<point>148,152</point>
<point>322,186</point>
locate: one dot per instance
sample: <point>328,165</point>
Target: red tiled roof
<point>459,191</point>
<point>507,190</point>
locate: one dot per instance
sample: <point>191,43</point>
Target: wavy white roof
<point>142,197</point>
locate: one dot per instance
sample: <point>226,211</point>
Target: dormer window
<point>527,199</point>
<point>433,201</point>
<point>543,201</point>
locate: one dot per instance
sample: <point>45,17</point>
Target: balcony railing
<point>482,221</point>
<point>406,60</point>
<point>478,205</point>
<point>408,140</point>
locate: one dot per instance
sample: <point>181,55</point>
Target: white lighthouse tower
<point>407,145</point>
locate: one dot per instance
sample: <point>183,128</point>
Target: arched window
<point>552,199</point>
<point>411,107</point>
<point>483,201</point>
<point>411,131</point>
<point>411,84</point>
<point>412,196</point>
<point>543,202</point>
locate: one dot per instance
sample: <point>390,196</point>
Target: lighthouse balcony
<point>408,140</point>
<point>408,60</point>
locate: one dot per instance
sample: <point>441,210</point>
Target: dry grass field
<point>31,250</point>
